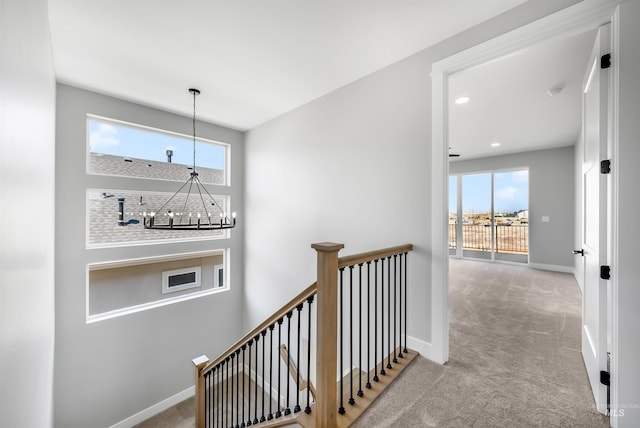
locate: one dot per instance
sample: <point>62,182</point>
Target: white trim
<point>155,409</point>
<point>420,346</point>
<point>154,259</point>
<point>613,232</point>
<point>439,218</point>
<point>151,305</point>
<point>583,16</point>
<point>553,268</point>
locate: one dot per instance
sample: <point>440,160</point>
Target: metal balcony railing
<point>513,238</point>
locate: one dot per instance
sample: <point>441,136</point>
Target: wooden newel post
<point>327,354</point>
<point>199,364</point>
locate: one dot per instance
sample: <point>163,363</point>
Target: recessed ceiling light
<point>496,144</point>
<point>462,100</point>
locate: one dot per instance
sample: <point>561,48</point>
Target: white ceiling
<point>253,60</point>
<point>510,104</point>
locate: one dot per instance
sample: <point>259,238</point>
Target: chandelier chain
<point>194,131</point>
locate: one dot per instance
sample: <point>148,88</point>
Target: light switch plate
<point>545,219</point>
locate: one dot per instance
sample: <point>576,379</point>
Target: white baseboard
<point>423,348</point>
<point>553,268</point>
<point>155,409</point>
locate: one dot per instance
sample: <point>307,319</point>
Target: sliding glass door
<point>491,216</point>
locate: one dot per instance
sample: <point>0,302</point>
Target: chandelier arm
<point>204,205</point>
<point>213,201</point>
<point>174,195</point>
<point>184,207</point>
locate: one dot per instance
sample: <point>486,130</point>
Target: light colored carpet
<point>515,357</point>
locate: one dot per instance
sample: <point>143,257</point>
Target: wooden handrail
<point>356,259</point>
<point>290,306</point>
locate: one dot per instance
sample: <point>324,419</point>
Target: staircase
<point>321,359</point>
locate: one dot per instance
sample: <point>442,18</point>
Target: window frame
<point>124,183</point>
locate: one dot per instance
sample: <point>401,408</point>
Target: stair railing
<point>244,385</point>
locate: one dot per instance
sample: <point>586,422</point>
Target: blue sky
<point>511,192</point>
<point>111,139</point>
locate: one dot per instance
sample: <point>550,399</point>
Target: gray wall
<point>352,167</point>
<point>27,121</point>
<point>551,193</point>
<point>110,370</point>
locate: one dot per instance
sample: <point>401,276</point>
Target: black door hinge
<point>605,378</point>
<point>605,272</point>
<point>605,61</point>
<point>605,166</point>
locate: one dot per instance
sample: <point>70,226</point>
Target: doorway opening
<point>569,22</point>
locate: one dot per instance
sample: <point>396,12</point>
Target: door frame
<point>584,16</point>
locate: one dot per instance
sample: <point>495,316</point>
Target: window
<point>146,160</point>
<point>121,149</point>
<point>124,287</point>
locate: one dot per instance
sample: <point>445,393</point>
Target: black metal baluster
<point>297,408</point>
<point>395,307</point>
<point>360,393</point>
<point>244,363</point>
<point>212,396</point>
<point>238,388</point>
<point>231,379</point>
<point>341,408</point>
<point>351,400</point>
<point>400,306</point>
<point>249,381</point>
<point>219,402</point>
<point>307,409</point>
<point>207,390</point>
<point>389,312</point>
<point>368,385</point>
<point>382,370</point>
<point>271,327</point>
<point>216,405</point>
<point>405,302</point>
<point>375,322</point>
<point>264,333</point>
<point>255,407</point>
<point>226,401</point>
<point>278,412</point>
<point>287,410</point>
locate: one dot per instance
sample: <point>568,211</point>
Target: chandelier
<point>198,210</point>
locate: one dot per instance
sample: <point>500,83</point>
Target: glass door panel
<point>477,216</point>
<point>511,208</point>
<point>453,214</point>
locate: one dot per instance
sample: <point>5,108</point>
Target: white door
<point>594,298</point>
